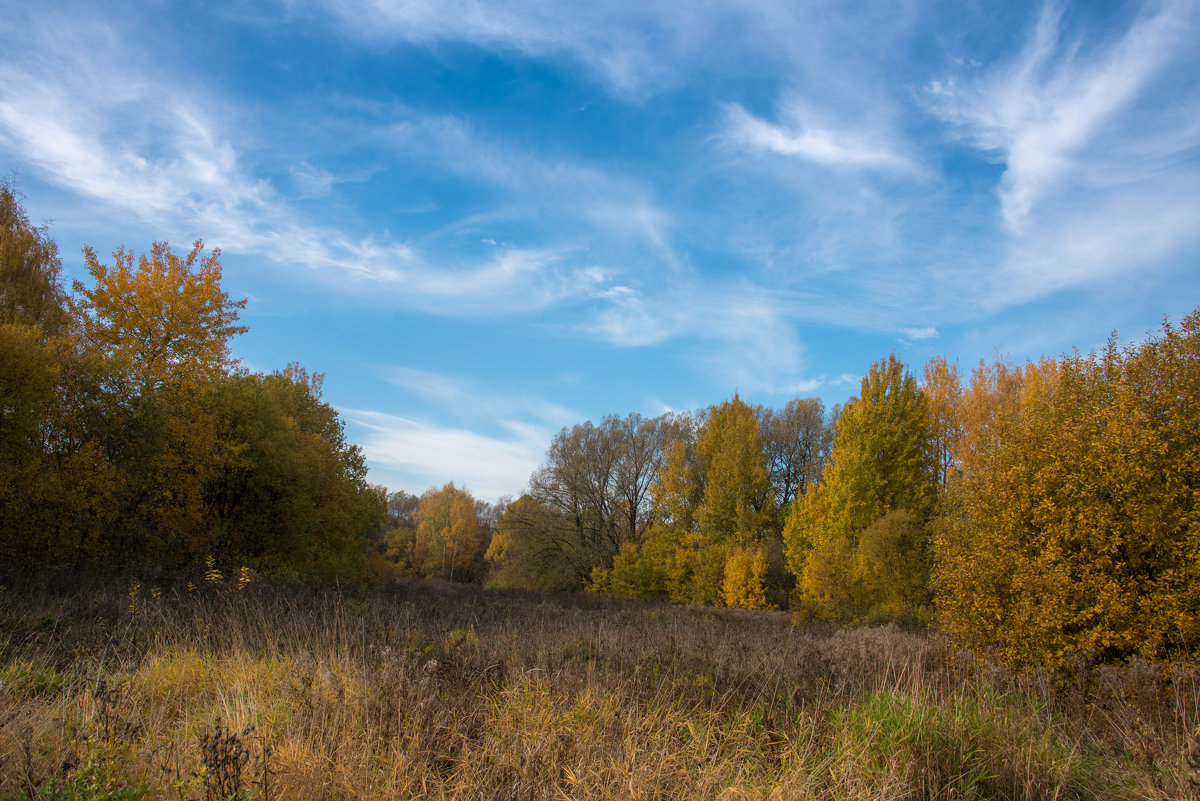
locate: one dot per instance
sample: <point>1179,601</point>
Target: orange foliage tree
<point>449,538</point>
<point>1075,529</point>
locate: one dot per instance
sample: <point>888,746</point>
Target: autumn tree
<point>30,304</point>
<point>665,560</point>
<point>28,390</point>
<point>30,291</point>
<point>892,562</point>
<point>714,509</point>
<point>596,482</point>
<point>737,513</point>
<point>881,463</point>
<point>158,328</point>
<point>737,488</point>
<point>284,490</point>
<point>1073,532</point>
<point>54,476</point>
<point>997,394</point>
<point>531,549</point>
<point>449,538</point>
<point>578,480</point>
<point>164,317</point>
<point>943,393</point>
<point>129,437</point>
<point>400,538</point>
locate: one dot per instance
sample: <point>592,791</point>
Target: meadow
<point>221,688</point>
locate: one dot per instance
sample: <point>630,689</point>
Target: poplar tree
<point>714,511</point>
<point>881,463</point>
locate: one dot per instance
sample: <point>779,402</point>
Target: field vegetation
<point>229,687</point>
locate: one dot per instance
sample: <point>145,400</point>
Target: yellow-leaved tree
<point>882,462</point>
<point>943,392</point>
<point>159,325</point>
<point>713,536</point>
<point>449,539</point>
<point>1074,530</point>
<point>163,317</point>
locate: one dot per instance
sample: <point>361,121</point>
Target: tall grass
<point>116,690</point>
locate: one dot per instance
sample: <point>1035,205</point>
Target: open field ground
<point>117,690</point>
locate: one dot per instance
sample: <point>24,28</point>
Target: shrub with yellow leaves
<point>1075,532</point>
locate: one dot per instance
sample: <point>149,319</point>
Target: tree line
<point>129,436</point>
<point>1049,511</point>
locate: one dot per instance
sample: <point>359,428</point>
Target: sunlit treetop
<point>164,318</point>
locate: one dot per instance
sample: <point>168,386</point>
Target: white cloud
<point>312,181</point>
<point>469,398</point>
<point>420,454</point>
<point>508,281</point>
<point>638,48</point>
<point>1100,238</point>
<point>414,453</point>
<point>806,386</point>
<point>926,332</point>
<point>1043,112</point>
<point>628,45</point>
<point>82,123</point>
<point>808,137</point>
<point>583,201</point>
<point>737,332</point>
<point>1096,132</point>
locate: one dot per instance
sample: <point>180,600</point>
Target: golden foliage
<point>167,319</point>
<point>449,539</point>
<point>943,393</point>
<point>1074,532</point>
<point>130,437</point>
<point>30,294</point>
<point>882,462</point>
<point>713,504</point>
<point>745,579</point>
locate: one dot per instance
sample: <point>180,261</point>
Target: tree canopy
<point>881,463</point>
<point>131,437</point>
<point>163,317</point>
<point>1074,532</point>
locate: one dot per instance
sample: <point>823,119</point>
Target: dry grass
<point>435,691</point>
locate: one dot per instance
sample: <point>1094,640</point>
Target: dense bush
<point>1075,532</point>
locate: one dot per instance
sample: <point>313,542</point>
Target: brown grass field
<point>116,689</point>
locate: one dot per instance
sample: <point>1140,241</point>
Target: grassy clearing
<point>426,690</point>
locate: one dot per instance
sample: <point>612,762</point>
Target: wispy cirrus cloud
<point>1046,113</point>
<point>469,398</point>
<point>1095,133</point>
<point>639,48</point>
<point>738,331</point>
<point>805,135</point>
<point>81,122</point>
<point>633,47</point>
<point>585,203</point>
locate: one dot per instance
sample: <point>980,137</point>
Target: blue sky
<point>484,221</point>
